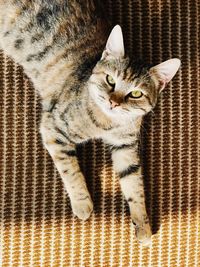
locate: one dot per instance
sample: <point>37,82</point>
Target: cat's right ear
<point>115,44</point>
<point>165,71</point>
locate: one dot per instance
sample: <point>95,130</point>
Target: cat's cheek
<point>104,107</point>
<point>93,94</point>
<point>95,97</point>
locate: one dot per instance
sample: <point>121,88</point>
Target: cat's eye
<point>136,94</point>
<point>110,80</point>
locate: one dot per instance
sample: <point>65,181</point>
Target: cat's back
<point>44,15</point>
<point>29,30</point>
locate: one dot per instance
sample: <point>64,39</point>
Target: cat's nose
<point>113,104</point>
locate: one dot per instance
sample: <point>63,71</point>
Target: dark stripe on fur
<point>77,137</point>
<point>49,106</point>
<point>149,100</point>
<point>60,158</point>
<point>143,110</point>
<point>59,142</point>
<point>36,37</point>
<point>64,134</point>
<point>131,169</point>
<point>126,70</point>
<point>6,33</point>
<point>39,56</point>
<point>96,123</point>
<point>84,198</point>
<point>116,148</point>
<point>134,223</point>
<point>18,43</point>
<point>138,107</point>
<point>84,70</point>
<point>46,15</point>
<point>70,153</point>
<point>51,11</point>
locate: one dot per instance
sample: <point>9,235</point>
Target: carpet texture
<point>37,225</point>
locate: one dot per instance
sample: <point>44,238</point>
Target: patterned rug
<point>37,225</point>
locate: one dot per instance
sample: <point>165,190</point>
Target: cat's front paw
<point>82,208</point>
<point>143,234</point>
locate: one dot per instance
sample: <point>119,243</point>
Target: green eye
<point>136,94</point>
<point>110,80</point>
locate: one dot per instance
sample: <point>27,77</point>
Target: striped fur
<point>61,45</point>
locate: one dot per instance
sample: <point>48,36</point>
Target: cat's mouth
<point>112,111</point>
<point>118,110</point>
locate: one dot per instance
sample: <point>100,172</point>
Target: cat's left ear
<point>165,71</point>
<point>115,44</point>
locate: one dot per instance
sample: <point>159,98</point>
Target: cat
<point>89,89</point>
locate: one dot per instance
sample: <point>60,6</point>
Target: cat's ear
<point>165,71</point>
<point>115,44</point>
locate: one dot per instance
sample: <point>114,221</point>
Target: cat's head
<point>124,88</point>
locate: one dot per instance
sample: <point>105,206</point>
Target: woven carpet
<point>37,225</point>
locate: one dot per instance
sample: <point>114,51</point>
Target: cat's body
<point>85,94</point>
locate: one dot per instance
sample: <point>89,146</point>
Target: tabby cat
<point>89,89</point>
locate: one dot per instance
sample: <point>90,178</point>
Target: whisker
<point>101,100</point>
<point>126,109</point>
<point>101,97</point>
<point>125,112</point>
<point>144,129</point>
<point>138,107</point>
<point>152,112</point>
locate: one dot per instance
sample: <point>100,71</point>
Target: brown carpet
<point>37,225</point>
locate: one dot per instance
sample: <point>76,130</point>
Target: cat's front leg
<point>63,153</point>
<point>126,163</point>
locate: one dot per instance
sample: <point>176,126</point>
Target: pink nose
<point>113,104</point>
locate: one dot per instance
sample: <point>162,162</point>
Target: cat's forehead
<point>126,70</point>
